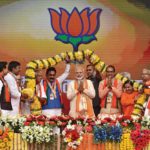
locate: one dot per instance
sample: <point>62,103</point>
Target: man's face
<point>79,74</point>
<point>51,76</point>
<point>16,70</point>
<point>110,73</point>
<point>90,71</point>
<point>5,71</point>
<point>39,77</point>
<point>145,76</point>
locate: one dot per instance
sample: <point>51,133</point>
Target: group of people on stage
<point>89,94</point>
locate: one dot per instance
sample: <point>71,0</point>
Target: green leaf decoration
<point>62,38</point>
<point>75,40</point>
<point>87,39</point>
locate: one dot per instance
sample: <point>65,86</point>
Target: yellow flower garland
<point>51,61</point>
<point>6,143</point>
<point>138,107</point>
<point>126,142</point>
<point>35,107</point>
<point>137,86</point>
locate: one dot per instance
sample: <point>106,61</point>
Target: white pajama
<point>52,112</point>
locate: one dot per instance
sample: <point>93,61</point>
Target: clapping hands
<point>81,88</point>
<point>109,83</point>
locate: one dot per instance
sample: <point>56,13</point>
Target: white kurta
<point>147,111</point>
<point>15,94</point>
<point>72,95</point>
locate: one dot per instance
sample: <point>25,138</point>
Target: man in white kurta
<point>80,93</point>
<point>11,79</point>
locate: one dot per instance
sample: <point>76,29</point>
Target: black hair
<point>50,69</point>
<point>89,65</point>
<point>111,66</point>
<point>13,64</point>
<point>3,65</point>
<point>128,81</point>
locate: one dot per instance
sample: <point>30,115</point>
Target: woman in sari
<point>128,98</point>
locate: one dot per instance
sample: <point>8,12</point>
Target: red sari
<point>127,102</point>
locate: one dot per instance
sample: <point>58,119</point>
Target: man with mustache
<point>80,92</point>
<point>52,88</point>
<point>110,90</point>
<point>11,78</point>
<point>95,78</point>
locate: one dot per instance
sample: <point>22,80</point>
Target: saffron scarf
<point>89,110</point>
<point>114,98</point>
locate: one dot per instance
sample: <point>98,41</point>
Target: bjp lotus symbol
<point>77,27</point>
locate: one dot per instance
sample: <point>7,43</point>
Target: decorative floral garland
<point>79,56</point>
<point>139,106</point>
<point>39,129</point>
<point>5,138</point>
<point>145,122</point>
<point>126,142</point>
<point>107,133</point>
<point>51,61</point>
<point>37,133</point>
<point>140,138</point>
<point>72,136</point>
<point>137,86</point>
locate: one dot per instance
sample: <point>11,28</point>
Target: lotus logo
<point>75,27</point>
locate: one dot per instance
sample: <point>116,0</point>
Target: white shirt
<point>64,75</point>
<point>15,94</point>
<point>12,84</point>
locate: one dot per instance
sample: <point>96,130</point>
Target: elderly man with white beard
<point>80,92</point>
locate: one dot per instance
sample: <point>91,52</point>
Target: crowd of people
<point>89,94</point>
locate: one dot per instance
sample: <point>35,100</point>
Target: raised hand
<point>67,59</point>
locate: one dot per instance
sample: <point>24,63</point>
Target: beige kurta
<point>72,96</point>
